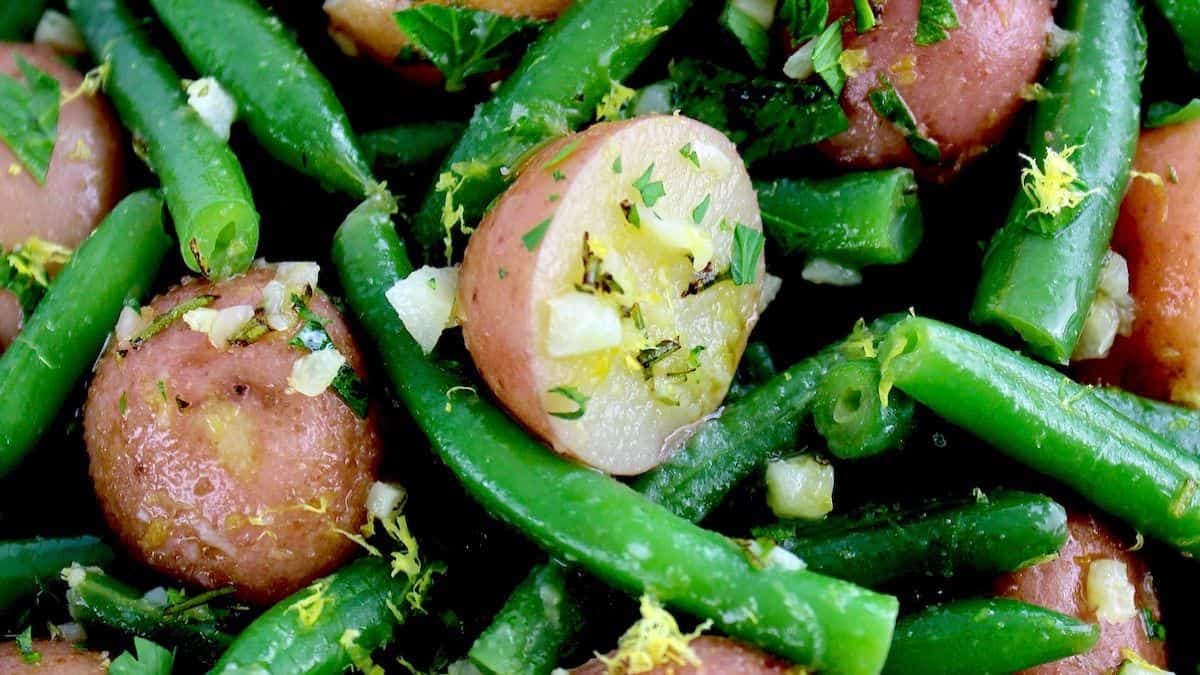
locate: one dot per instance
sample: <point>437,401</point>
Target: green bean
<point>849,414</point>
<point>555,89</point>
<point>528,633</point>
<point>18,18</point>
<point>202,181</point>
<point>96,599</point>
<point>409,145</point>
<point>1039,281</point>
<point>985,637</point>
<point>59,344</point>
<point>1041,418</point>
<point>859,219</point>
<point>1177,424</point>
<point>756,367</point>
<point>309,631</point>
<point>1184,17</point>
<point>287,103</point>
<point>590,519</point>
<point>1005,532</point>
<point>26,565</point>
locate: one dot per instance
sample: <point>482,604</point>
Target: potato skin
<point>964,91</point>
<point>718,656</point>
<point>1060,585</point>
<point>58,658</point>
<point>81,186</point>
<point>183,478</point>
<point>1158,233</point>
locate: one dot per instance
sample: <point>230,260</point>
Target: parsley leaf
<point>934,19</point>
<point>805,19</point>
<point>748,32</point>
<point>864,16</point>
<point>826,54</point>
<point>747,248</point>
<point>461,42</point>
<point>701,209</point>
<point>151,660</point>
<point>25,645</point>
<point>649,356</point>
<point>689,153</point>
<point>533,237</point>
<point>651,191</point>
<point>29,117</point>
<point>572,394</point>
<point>1165,113</point>
<point>888,103</point>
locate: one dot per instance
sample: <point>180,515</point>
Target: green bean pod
<point>858,219</point>
<point>590,519</point>
<point>528,633</point>
<point>409,145</point>
<point>26,565</point>
<point>852,418</point>
<point>555,89</point>
<point>1184,17</point>
<point>286,102</point>
<point>353,610</point>
<point>1177,424</point>
<point>1044,420</point>
<point>1008,531</point>
<point>59,343</point>
<point>18,18</point>
<point>202,180</point>
<point>985,637</point>
<point>1038,285</point>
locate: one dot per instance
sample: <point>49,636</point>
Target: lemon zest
<point>453,216</point>
<point>861,340</point>
<point>854,62</point>
<point>407,561</point>
<point>310,607</point>
<point>614,101</point>
<point>654,640</point>
<point>1136,659</point>
<point>360,540</point>
<point>1055,186</point>
<point>1148,176</point>
<point>321,507</point>
<point>359,656</point>
<point>887,379</point>
<point>31,258</point>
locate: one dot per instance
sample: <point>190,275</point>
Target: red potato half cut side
<point>562,354</point>
<point>717,655</point>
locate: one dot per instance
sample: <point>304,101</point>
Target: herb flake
<point>25,645</point>
<point>534,236</point>
<point>804,19</point>
<point>164,320</point>
<point>934,21</point>
<point>891,106</point>
<point>651,191</point>
<point>29,117</point>
<point>649,356</point>
<point>575,396</point>
<point>689,153</point>
<point>701,209</point>
<point>151,659</point>
<point>747,249</point>
<point>461,42</point>
<point>864,16</point>
<point>826,57</point>
<point>313,337</point>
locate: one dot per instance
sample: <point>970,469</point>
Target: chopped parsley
<point>558,176</point>
<point>162,389</point>
<point>651,191</point>
<point>864,16</point>
<point>826,57</point>
<point>634,313</point>
<point>631,213</point>
<point>701,209</point>
<point>649,356</point>
<point>164,320</point>
<point>152,659</point>
<point>804,19</point>
<point>705,279</point>
<point>891,106</point>
<point>747,249</point>
<point>616,165</point>
<point>934,20</point>
<point>533,237</point>
<point>29,117</point>
<point>25,645</point>
<point>1154,629</point>
<point>573,395</point>
<point>461,42</point>
<point>689,153</point>
<point>502,273</point>
<point>692,365</point>
<point>312,336</point>
<point>1165,113</point>
<point>123,404</point>
<point>595,279</point>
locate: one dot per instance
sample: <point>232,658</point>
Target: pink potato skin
<point>1158,233</point>
<point>1060,585</point>
<point>81,187</point>
<point>964,91</point>
<point>57,658</point>
<point>718,656</point>
<point>183,502</point>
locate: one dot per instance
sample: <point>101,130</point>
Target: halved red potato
<point>1158,233</point>
<point>368,26</point>
<point>718,656</point>
<point>604,336</point>
<point>84,182</point>
<point>209,464</point>
<point>963,91</point>
<point>1096,578</point>
<point>55,657</point>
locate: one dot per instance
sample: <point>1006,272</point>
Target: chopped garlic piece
<point>1109,593</point>
<point>581,323</point>
<point>291,278</point>
<point>219,324</point>
<point>216,107</point>
<point>1111,313</point>
<point>1058,38</point>
<point>131,322</point>
<point>424,301</point>
<point>679,235</point>
<point>313,373</point>
<point>824,271</point>
<point>57,31</point>
<point>385,499</point>
<point>799,66</point>
<point>712,159</point>
<point>776,556</point>
<point>800,487</point>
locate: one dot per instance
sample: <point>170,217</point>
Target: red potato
<point>84,181</point>
<point>57,658</point>
<point>1158,233</point>
<point>718,656</point>
<point>1061,585</point>
<point>540,337</point>
<point>210,470</point>
<point>964,91</point>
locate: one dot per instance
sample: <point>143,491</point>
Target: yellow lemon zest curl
<point>654,640</point>
<point>1055,186</point>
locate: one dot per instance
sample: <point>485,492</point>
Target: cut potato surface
<point>608,295</point>
<point>210,463</point>
<point>717,655</point>
<point>55,657</point>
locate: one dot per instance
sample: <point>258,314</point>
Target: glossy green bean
<point>849,414</point>
<point>26,565</point>
<point>1040,285</point>
<point>19,17</point>
<point>756,367</point>
<point>409,145</point>
<point>1005,532</point>
<point>1041,418</point>
<point>858,219</point>
<point>59,343</point>
<point>1184,17</point>
<point>590,519</point>
<point>202,181</point>
<point>286,102</point>
<point>1177,424</point>
<point>555,89</point>
<point>985,637</point>
<point>528,633</point>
